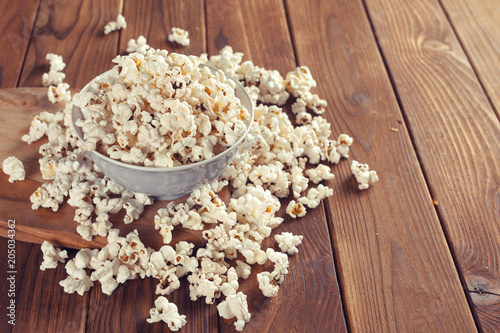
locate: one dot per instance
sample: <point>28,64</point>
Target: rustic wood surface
<point>415,84</point>
<point>456,134</point>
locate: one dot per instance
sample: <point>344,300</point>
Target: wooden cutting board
<point>18,106</point>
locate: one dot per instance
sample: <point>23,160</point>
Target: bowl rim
<point>178,167</point>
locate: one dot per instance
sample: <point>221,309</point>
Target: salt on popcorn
<point>13,168</point>
<point>162,110</point>
<point>364,176</point>
<point>119,24</point>
<point>273,162</point>
<point>179,36</point>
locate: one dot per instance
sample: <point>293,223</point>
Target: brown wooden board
<point>18,106</point>
<point>396,271</point>
<point>309,299</point>
<point>16,25</point>
<point>74,30</point>
<point>43,305</point>
<point>456,134</point>
<point>155,20</point>
<point>476,25</point>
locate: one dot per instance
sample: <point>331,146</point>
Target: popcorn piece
<point>51,256</point>
<point>59,93</point>
<point>288,242</point>
<point>119,24</point>
<point>77,280</point>
<point>295,209</point>
<point>179,36</point>
<point>167,312</point>
<point>13,168</point>
<point>320,173</point>
<point>140,45</point>
<point>55,76</point>
<point>243,269</point>
<point>363,175</point>
<point>235,306</point>
<point>299,81</point>
<point>267,284</point>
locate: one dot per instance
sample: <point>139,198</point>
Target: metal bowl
<point>173,182</point>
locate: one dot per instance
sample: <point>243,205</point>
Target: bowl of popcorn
<point>162,124</point>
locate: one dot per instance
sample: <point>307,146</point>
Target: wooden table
<point>416,83</point>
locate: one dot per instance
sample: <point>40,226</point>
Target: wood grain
<point>15,32</point>
<point>17,108</point>
<point>396,270</point>
<point>74,30</point>
<point>155,20</point>
<point>476,26</point>
<point>43,306</point>
<point>309,299</point>
<point>455,132</point>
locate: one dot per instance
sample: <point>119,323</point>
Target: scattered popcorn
<point>167,312</point>
<point>119,24</point>
<point>160,109</point>
<point>179,36</point>
<point>235,306</point>
<point>55,76</point>
<point>295,209</point>
<point>267,284</point>
<point>320,173</point>
<point>59,93</point>
<point>140,45</point>
<point>51,256</point>
<point>288,242</point>
<point>13,168</point>
<point>363,175</point>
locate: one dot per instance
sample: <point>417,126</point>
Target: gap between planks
<point>411,133</point>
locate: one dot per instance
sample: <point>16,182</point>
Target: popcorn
<point>235,306</point>
<point>140,45</point>
<point>363,175</point>
<point>13,168</point>
<point>59,93</point>
<point>300,81</point>
<point>119,24</point>
<point>320,173</point>
<point>267,285</point>
<point>179,36</point>
<point>167,312</point>
<point>55,76</point>
<point>288,242</point>
<point>159,110</point>
<point>77,280</point>
<point>51,256</point>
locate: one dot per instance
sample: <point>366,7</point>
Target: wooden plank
<point>15,33</point>
<point>42,304</point>
<point>155,20</point>
<point>18,106</point>
<point>456,134</point>
<point>74,30</point>
<point>309,299</point>
<point>396,270</point>
<point>22,253</point>
<point>476,26</point>
<point>129,306</point>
